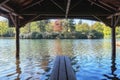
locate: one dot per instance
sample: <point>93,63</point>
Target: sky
<point>90,22</point>
<point>2,18</point>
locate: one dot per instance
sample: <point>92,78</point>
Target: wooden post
<point>17,38</point>
<point>113,37</point>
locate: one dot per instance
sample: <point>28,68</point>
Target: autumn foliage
<point>57,26</point>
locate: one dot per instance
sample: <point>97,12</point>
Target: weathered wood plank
<point>69,69</point>
<point>55,72</point>
<point>62,70</point>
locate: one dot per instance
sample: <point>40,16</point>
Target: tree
<point>84,27</point>
<point>42,24</point>
<point>71,25</point>
<point>106,31</point>
<point>49,26</point>
<point>98,27</point>
<point>3,27</point>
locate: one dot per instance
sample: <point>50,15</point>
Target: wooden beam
<point>77,3</point>
<point>17,28</point>
<point>67,8</point>
<point>13,19</point>
<point>31,5</point>
<point>113,35</point>
<point>93,2</point>
<point>32,19</point>
<point>57,5</point>
<point>115,14</point>
<point>97,18</point>
<point>107,5</point>
<point>10,10</point>
<point>2,3</point>
<point>117,20</point>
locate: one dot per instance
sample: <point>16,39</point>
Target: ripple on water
<point>90,59</point>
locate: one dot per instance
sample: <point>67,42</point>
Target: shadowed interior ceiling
<point>33,10</point>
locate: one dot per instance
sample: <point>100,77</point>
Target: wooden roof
<point>32,10</point>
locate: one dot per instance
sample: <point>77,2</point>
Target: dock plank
<point>62,69</point>
<point>70,72</point>
<point>55,72</point>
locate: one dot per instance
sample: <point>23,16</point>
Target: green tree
<point>49,26</point>
<point>3,27</point>
<point>84,27</point>
<point>106,31</point>
<point>42,24</point>
<point>98,27</point>
<point>71,25</point>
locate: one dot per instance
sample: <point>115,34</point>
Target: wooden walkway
<point>62,69</point>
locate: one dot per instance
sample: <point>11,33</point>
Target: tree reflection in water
<point>113,69</point>
<point>58,47</point>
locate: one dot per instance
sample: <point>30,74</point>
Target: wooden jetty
<point>62,69</point>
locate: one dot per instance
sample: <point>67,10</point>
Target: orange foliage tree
<point>57,26</point>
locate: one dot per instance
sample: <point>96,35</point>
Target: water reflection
<point>58,47</point>
<point>113,75</point>
<point>90,59</point>
<point>18,69</point>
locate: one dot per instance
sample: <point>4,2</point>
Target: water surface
<point>91,59</point>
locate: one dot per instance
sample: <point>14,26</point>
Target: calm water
<point>91,59</point>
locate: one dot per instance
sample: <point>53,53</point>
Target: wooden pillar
<point>17,38</point>
<point>113,37</point>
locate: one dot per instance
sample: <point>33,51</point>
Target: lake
<point>90,59</point>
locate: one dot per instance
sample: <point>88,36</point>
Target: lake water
<point>91,59</point>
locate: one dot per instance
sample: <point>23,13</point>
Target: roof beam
<point>67,8</point>
<point>13,19</point>
<point>5,1</point>
<point>10,10</point>
<point>32,19</point>
<point>31,5</point>
<point>116,14</point>
<point>77,3</point>
<point>96,18</point>
<point>107,5</point>
<point>57,5</point>
<point>93,2</point>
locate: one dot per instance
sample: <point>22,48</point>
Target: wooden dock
<point>62,69</point>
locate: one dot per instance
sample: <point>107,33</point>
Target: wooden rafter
<point>4,2</point>
<point>97,18</point>
<point>117,20</point>
<point>31,5</point>
<point>77,3</point>
<point>67,8</point>
<point>107,5</point>
<point>116,14</point>
<point>10,10</point>
<point>93,2</point>
<point>32,19</point>
<point>57,5</point>
<point>13,19</point>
